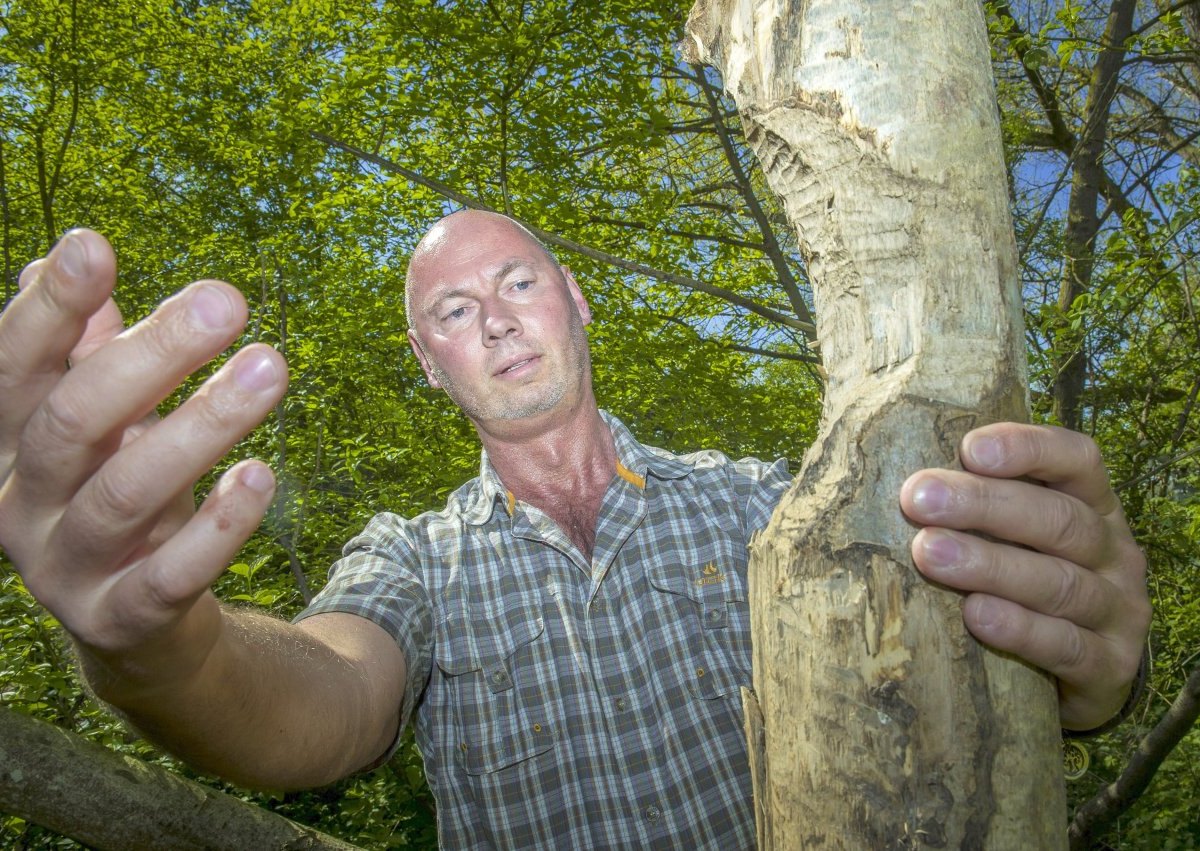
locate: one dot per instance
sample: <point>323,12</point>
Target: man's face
<point>495,322</point>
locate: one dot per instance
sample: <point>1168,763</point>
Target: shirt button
<point>652,813</point>
<point>621,704</point>
<point>715,615</point>
<point>499,678</point>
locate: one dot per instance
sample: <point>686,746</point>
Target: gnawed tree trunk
<point>58,780</point>
<point>876,721</point>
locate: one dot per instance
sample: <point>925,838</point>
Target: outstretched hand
<point>96,506</point>
<point>1063,584</point>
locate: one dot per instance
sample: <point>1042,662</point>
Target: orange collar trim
<point>624,472</point>
<point>633,478</point>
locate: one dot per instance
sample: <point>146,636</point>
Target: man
<point>545,630</point>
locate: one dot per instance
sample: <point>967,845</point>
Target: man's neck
<point>562,466</point>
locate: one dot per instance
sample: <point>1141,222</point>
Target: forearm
<point>268,706</point>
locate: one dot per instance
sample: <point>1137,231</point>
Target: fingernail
<point>941,549</point>
<point>257,478</point>
<point>210,307</point>
<point>984,613</point>
<point>986,451</point>
<point>255,372</point>
<point>931,497</point>
<point>71,256</point>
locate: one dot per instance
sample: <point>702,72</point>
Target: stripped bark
<point>875,720</point>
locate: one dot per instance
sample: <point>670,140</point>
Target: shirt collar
<point>634,463</point>
<point>643,460</point>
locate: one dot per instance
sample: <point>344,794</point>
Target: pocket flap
<point>467,642</point>
<point>704,583</point>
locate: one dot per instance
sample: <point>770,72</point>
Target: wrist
<point>1136,692</point>
<point>164,661</point>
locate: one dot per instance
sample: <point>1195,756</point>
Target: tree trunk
<point>876,721</point>
<point>56,779</point>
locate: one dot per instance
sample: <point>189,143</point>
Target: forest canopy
<point>299,149</point>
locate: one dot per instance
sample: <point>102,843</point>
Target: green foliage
<point>1135,325</point>
<point>181,131</point>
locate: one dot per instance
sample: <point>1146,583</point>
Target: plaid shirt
<point>562,702</point>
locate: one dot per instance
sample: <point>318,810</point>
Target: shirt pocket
<point>708,593</point>
<point>490,662</point>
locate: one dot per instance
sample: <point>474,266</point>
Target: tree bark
<point>60,781</point>
<point>875,720</point>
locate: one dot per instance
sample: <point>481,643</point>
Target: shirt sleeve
<point>378,578</point>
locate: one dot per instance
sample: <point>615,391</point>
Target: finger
<point>1050,643</point>
<point>1041,583</point>
<point>42,325</point>
<point>81,421</point>
<point>100,262</point>
<point>1021,512</point>
<point>115,509</point>
<point>1064,460</point>
<point>157,591</point>
<point>103,326</point>
<point>1084,662</point>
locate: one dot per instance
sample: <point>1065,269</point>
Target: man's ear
<point>415,343</point>
<point>585,311</point>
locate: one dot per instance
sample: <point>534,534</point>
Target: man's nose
<point>499,321</point>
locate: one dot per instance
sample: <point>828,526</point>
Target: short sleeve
<point>378,578</point>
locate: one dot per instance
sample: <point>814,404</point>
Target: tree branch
<point>1110,802</point>
<point>562,242</point>
<point>107,801</point>
<point>695,237</point>
<point>771,248</point>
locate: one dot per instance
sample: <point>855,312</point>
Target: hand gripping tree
<point>875,720</point>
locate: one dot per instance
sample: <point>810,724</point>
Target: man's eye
<point>457,313</point>
<point>521,286</point>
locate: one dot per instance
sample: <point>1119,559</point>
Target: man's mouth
<point>517,364</point>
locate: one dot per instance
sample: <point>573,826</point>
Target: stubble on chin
<point>519,405</point>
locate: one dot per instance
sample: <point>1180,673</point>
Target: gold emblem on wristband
<point>1075,760</point>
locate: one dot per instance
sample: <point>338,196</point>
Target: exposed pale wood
<point>878,722</point>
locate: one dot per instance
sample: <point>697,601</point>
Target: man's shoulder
<point>707,462</point>
<point>669,464</point>
<point>464,506</point>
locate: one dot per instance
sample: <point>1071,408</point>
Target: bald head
<point>451,230</point>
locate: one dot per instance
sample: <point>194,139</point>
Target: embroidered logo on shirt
<point>711,576</point>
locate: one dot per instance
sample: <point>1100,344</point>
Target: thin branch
<point>772,249</point>
<point>9,278</point>
<point>737,347</point>
<point>1166,465</point>
<point>773,353</point>
<point>1110,802</point>
<point>562,242</point>
<point>695,237</point>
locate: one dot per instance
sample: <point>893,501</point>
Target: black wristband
<point>1131,702</point>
